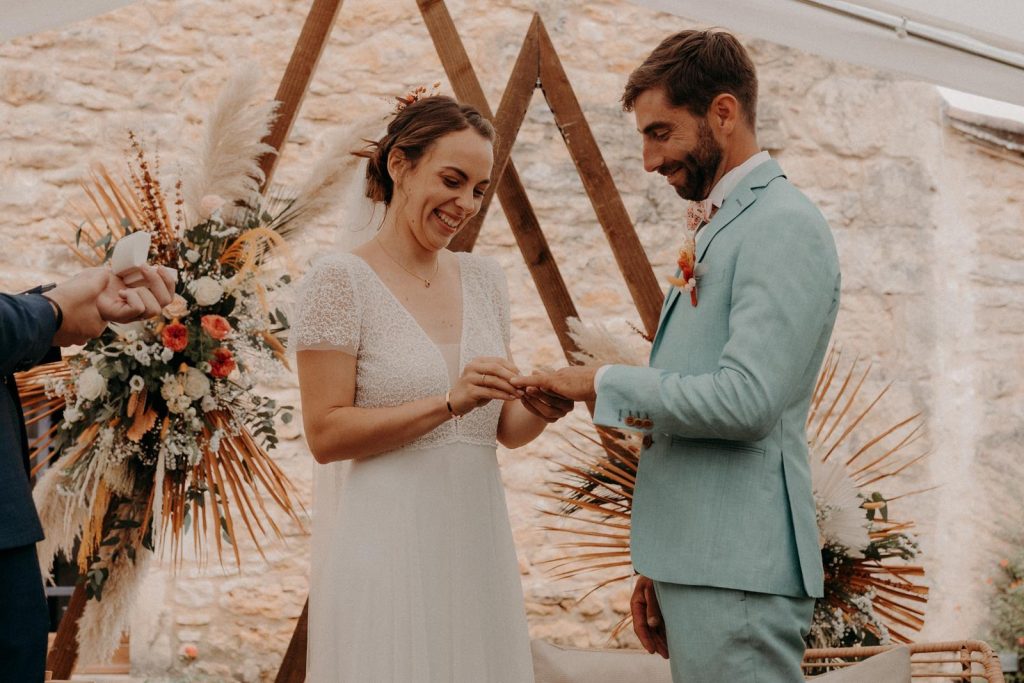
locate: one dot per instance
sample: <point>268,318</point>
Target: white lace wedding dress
<point>414,573</point>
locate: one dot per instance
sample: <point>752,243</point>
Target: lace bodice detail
<point>343,305</point>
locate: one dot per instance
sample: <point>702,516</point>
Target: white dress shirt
<point>719,192</point>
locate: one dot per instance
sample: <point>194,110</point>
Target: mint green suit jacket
<point>723,492</point>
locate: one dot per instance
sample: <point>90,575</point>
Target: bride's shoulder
<point>335,271</point>
<point>486,266</point>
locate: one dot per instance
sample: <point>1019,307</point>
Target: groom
<point>724,535</point>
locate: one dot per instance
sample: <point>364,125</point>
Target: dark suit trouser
<point>24,622</point>
<point>717,635</point>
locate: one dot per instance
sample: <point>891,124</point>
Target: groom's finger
<point>639,611</point>
<point>655,622</point>
<point>535,380</point>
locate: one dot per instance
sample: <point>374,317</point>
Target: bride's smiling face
<point>438,195</point>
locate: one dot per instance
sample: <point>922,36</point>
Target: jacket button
<point>648,441</point>
<point>647,424</point>
<point>630,421</point>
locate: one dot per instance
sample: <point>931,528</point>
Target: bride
<point>403,360</point>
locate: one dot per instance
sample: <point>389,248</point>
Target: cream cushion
<point>557,664</point>
<point>889,667</point>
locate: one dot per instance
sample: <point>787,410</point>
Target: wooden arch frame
<point>537,67</point>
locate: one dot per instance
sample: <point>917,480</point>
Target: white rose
<point>91,384</point>
<point>179,404</point>
<point>208,403</point>
<point>197,384</point>
<point>136,383</point>
<point>166,355</point>
<point>191,255</point>
<point>171,389</point>
<point>72,414</point>
<point>207,291</point>
<point>209,205</point>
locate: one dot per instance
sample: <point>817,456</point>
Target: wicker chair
<point>966,661</point>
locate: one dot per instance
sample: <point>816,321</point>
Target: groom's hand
<point>647,621</point>
<point>575,383</point>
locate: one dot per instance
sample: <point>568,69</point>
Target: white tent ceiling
<point>976,46</point>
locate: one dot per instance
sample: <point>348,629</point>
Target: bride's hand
<point>546,405</point>
<point>483,380</point>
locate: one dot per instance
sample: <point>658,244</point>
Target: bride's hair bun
<point>413,130</point>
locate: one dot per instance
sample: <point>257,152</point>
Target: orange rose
<point>175,336</point>
<point>216,326</point>
<point>223,363</point>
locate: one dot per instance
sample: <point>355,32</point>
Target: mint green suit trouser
<point>719,635</point>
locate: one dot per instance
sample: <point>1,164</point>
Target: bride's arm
<point>522,421</point>
<point>337,430</point>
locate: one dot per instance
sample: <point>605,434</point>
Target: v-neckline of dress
<point>462,314</point>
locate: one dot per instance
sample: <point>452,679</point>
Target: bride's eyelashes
<point>456,183</point>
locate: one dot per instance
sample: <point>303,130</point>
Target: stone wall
<point>928,228</point>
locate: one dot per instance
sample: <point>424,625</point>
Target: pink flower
<point>216,326</point>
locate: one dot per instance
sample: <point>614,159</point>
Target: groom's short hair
<point>694,67</point>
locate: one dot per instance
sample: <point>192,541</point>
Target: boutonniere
<point>688,253</point>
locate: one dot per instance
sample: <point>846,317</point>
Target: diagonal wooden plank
<point>297,77</point>
<point>449,47</point>
<point>511,113</point>
<point>293,666</point>
<point>597,181</point>
<point>515,101</point>
<point>534,247</point>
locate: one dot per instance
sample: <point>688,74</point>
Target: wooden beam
<point>449,47</point>
<point>597,181</point>
<point>515,101</point>
<point>64,652</point>
<point>534,247</point>
<point>511,112</point>
<point>293,666</point>
<point>296,79</point>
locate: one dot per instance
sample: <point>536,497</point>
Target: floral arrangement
<point>873,593</point>
<point>164,438</point>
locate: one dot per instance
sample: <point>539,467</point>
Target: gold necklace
<point>426,282</point>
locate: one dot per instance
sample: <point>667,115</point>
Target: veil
<point>361,217</point>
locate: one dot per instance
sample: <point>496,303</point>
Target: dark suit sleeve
<point>27,326</point>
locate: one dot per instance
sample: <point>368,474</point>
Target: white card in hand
<point>130,252</point>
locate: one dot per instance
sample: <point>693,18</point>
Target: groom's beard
<point>700,166</point>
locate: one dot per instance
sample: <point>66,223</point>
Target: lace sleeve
<point>328,312</point>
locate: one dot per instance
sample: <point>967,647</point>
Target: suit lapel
<point>735,204</point>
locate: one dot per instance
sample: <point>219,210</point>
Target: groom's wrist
<point>597,377</point>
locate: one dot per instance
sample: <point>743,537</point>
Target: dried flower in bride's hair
<point>416,95</point>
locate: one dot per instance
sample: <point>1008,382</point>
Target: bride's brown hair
<point>413,130</point>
